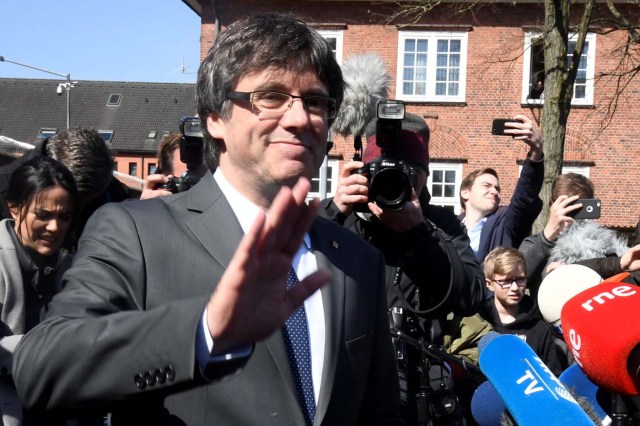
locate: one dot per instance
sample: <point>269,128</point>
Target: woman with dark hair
<point>43,201</point>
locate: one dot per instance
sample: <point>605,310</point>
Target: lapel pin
<point>335,244</point>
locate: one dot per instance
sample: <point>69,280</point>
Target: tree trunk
<point>558,90</point>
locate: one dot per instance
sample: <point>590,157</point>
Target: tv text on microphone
<point>530,391</point>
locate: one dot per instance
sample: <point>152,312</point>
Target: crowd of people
<point>239,302</point>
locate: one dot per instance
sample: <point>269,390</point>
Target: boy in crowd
<point>511,311</point>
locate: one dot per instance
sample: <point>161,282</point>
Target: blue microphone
<point>487,406</point>
<point>531,393</point>
<point>581,386</point>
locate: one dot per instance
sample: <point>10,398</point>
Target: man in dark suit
<point>186,309</point>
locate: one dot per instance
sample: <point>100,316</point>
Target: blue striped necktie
<point>296,339</point>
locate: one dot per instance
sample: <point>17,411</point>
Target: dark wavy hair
<point>31,179</point>
<point>253,44</point>
<point>86,155</point>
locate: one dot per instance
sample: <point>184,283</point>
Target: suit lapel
<point>217,227</point>
<point>325,249</point>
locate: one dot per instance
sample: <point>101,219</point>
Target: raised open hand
<point>251,300</point>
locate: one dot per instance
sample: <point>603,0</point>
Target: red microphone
<point>600,326</point>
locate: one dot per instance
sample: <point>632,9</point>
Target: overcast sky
<point>113,40</point>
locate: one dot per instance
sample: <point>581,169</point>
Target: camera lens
<point>390,188</point>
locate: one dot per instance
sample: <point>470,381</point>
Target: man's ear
<point>215,126</point>
<point>464,194</point>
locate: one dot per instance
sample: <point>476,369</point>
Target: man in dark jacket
<point>490,225</point>
<point>431,270</point>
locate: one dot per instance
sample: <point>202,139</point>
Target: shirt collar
<point>242,207</point>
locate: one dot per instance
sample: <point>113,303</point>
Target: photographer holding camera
<point>430,268</point>
<point>180,161</point>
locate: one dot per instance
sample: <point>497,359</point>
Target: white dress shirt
<point>304,264</point>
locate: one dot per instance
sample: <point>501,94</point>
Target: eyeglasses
<point>280,103</point>
<point>504,284</point>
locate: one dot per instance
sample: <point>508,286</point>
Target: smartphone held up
<point>498,126</point>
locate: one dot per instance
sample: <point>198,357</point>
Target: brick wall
<point>461,132</point>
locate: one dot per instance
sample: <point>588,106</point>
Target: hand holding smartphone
<point>498,126</point>
<point>590,209</point>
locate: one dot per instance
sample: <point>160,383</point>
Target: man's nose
<point>296,115</point>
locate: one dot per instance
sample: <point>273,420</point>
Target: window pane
<point>409,60</point>
<point>437,190</point>
<point>410,45</point>
<point>450,176</point>
<point>437,176</point>
<point>454,74</point>
<point>441,61</point>
<point>421,60</point>
<point>449,191</point>
<point>454,60</point>
<point>441,74</point>
<point>422,45</point>
<point>579,92</point>
<point>453,89</point>
<point>421,89</point>
<point>421,74</point>
<point>333,42</point>
<point>455,45</point>
<point>441,89</point>
<point>407,74</point>
<point>443,45</point>
<point>583,63</point>
<point>407,88</point>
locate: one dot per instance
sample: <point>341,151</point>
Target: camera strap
<point>399,273</point>
<point>357,146</point>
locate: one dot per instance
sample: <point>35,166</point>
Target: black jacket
<point>530,325</point>
<point>434,257</point>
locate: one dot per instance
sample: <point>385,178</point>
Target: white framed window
<point>581,170</point>
<point>444,185</point>
<point>325,181</point>
<point>431,66</point>
<point>533,69</point>
<point>334,37</point>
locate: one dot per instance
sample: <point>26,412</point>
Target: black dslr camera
<point>390,180</point>
<point>191,153</point>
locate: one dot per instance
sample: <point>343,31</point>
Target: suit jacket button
<point>169,372</point>
<point>139,381</point>
<point>150,378</point>
<point>159,375</point>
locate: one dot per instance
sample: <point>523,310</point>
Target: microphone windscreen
<point>562,284</point>
<point>531,393</point>
<point>574,379</point>
<point>367,82</point>
<point>486,339</point>
<point>487,406</point>
<point>599,327</point>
